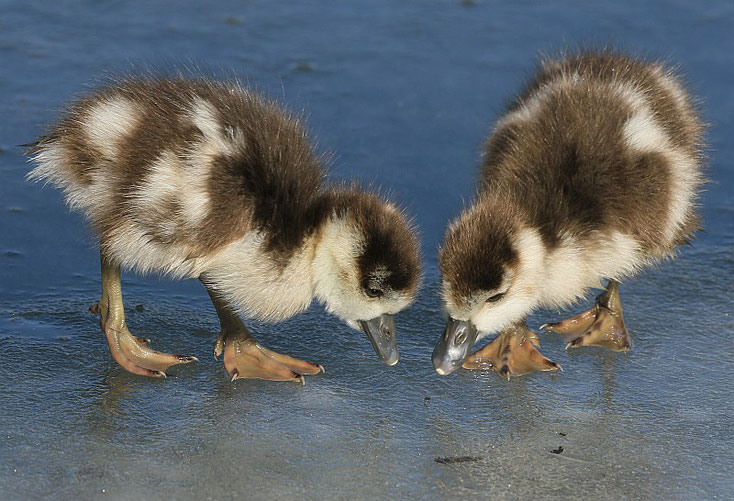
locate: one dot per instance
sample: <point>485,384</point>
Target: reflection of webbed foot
<point>245,358</point>
<point>512,353</point>
<point>602,325</point>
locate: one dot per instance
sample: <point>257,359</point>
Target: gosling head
<point>489,274</point>
<point>367,266</point>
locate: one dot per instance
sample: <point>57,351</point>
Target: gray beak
<point>453,346</point>
<point>381,332</point>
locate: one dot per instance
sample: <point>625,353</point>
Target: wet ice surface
<point>403,94</point>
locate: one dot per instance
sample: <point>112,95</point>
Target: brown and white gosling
<point>592,173</point>
<point>193,178</point>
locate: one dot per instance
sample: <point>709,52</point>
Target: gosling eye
<point>495,298</point>
<point>373,292</point>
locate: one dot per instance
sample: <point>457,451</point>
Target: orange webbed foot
<point>133,354</point>
<point>245,358</point>
<point>513,352</point>
<point>601,325</point>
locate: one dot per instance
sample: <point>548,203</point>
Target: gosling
<point>593,173</point>
<point>194,178</point>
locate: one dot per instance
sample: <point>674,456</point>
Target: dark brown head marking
<point>477,250</point>
<point>390,255</point>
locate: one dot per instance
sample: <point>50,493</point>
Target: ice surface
<point>403,93</point>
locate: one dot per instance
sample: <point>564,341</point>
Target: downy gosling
<point>194,178</point>
<point>593,173</point>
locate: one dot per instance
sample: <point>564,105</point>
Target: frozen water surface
<point>403,93</point>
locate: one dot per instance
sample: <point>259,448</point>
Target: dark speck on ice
<point>304,67</point>
<point>233,21</point>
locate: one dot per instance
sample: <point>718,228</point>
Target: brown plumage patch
<point>273,172</point>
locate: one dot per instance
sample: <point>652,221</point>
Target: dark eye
<point>373,292</point>
<point>496,297</point>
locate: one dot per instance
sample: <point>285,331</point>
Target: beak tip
<point>381,333</point>
<point>443,370</point>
